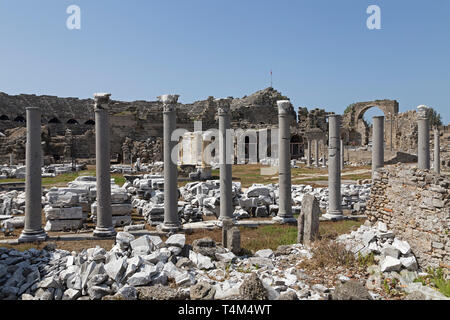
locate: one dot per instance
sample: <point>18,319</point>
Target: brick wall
<point>415,204</point>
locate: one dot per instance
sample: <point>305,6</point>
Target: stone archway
<point>353,120</point>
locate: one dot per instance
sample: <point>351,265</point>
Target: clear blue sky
<point>321,52</point>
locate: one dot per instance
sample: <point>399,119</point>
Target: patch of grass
<point>331,230</point>
<point>267,237</point>
<point>65,178</point>
<point>365,261</point>
<point>356,177</point>
<point>328,253</point>
<point>436,279</point>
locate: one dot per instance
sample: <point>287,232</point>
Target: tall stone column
<point>423,151</point>
<point>32,230</point>
<point>308,157</point>
<point>171,218</point>
<point>342,154</point>
<point>437,151</point>
<point>104,226</point>
<point>324,159</point>
<point>334,169</point>
<point>317,153</point>
<point>377,143</point>
<point>284,162</point>
<point>226,186</point>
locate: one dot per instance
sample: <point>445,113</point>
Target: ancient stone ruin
<point>406,206</point>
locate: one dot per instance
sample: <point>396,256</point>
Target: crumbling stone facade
<point>415,204</point>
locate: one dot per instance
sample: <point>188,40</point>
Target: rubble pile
<point>393,256</point>
<point>142,268</point>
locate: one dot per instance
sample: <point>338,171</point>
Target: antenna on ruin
<point>271,78</point>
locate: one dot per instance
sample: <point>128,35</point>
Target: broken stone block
<point>409,263</point>
<point>115,268</point>
<point>177,240</point>
<point>62,225</point>
<point>73,213</point>
<point>234,240</point>
<point>402,246</point>
<point>117,209</point>
<point>124,239</point>
<point>389,264</point>
<point>308,220</point>
<point>390,251</point>
<point>143,242</point>
<point>265,253</point>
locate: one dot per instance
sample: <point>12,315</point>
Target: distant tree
<point>435,118</point>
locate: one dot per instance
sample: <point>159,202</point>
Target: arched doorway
<point>54,120</point>
<point>19,119</point>
<point>72,121</point>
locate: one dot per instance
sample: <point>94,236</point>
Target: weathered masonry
<point>415,204</point>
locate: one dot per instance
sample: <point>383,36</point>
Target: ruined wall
<point>415,204</point>
<point>137,120</point>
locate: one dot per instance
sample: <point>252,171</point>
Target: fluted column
<point>423,151</point>
<point>334,169</point>
<point>33,184</point>
<point>226,186</point>
<point>377,143</point>
<point>171,218</point>
<point>284,161</point>
<point>342,154</point>
<point>437,151</point>
<point>104,226</point>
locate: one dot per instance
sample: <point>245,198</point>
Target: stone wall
<point>415,204</point>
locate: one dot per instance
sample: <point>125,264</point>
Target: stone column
<point>437,151</point>
<point>308,157</point>
<point>284,162</point>
<point>104,226</point>
<point>324,159</point>
<point>171,218</point>
<point>423,151</point>
<point>377,143</point>
<point>317,153</point>
<point>11,159</point>
<point>342,154</point>
<point>334,169</point>
<point>32,230</point>
<point>226,187</point>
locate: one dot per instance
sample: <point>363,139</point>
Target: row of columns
<point>33,209</point>
<point>316,153</point>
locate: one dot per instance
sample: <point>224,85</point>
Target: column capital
<point>101,101</point>
<point>284,106</point>
<point>423,111</point>
<point>169,101</point>
<point>223,106</point>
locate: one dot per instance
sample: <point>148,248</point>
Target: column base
<point>225,218</point>
<point>333,216</point>
<point>284,219</point>
<point>104,232</point>
<point>31,236</point>
<point>169,227</point>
